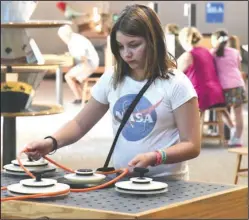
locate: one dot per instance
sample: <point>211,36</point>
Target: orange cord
<point>21,165</point>
<point>124,172</point>
<point>35,195</point>
<point>59,165</point>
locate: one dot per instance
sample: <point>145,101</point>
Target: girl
<point>198,64</point>
<point>165,120</point>
<point>228,63</point>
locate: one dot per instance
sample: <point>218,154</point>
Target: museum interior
<point>75,146</point>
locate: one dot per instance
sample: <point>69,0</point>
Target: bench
<point>89,82</point>
<point>218,123</point>
<point>240,172</point>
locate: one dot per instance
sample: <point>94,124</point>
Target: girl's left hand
<point>143,160</point>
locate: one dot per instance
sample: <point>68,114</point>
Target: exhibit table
<point>184,199</point>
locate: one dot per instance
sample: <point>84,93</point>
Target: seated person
<point>198,64</point>
<point>85,56</point>
<point>227,61</point>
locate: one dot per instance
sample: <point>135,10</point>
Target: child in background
<point>85,56</point>
<point>198,64</point>
<point>228,63</point>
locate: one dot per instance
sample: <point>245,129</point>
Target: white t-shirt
<point>152,124</point>
<point>79,46</point>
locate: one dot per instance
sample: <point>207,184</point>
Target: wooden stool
<point>87,85</point>
<point>240,151</point>
<point>218,123</point>
<point>89,82</point>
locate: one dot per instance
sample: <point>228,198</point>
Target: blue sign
<point>214,12</point>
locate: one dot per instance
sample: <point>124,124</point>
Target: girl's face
<point>132,50</point>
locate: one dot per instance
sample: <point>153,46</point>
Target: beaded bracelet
<point>158,158</point>
<point>163,155</point>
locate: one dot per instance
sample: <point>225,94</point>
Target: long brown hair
<point>142,21</point>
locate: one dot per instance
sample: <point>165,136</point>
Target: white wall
<point>235,18</point>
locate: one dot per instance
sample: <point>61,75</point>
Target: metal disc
<point>141,192</point>
<point>16,170</point>
<point>23,190</point>
<point>148,187</point>
<point>80,185</point>
<point>95,178</point>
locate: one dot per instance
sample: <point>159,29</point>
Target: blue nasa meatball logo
<point>142,120</point>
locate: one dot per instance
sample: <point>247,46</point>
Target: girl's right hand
<point>37,149</point>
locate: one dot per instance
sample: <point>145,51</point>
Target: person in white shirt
<point>163,131</point>
<point>85,56</point>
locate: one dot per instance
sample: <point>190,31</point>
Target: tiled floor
<point>214,164</point>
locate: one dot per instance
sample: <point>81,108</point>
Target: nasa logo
<point>142,120</point>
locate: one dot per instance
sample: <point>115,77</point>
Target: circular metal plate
<point>95,178</point>
<point>16,170</point>
<point>130,186</point>
<point>140,192</point>
<point>23,190</point>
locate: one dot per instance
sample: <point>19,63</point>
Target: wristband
<point>163,155</point>
<point>158,159</point>
<point>55,145</point>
